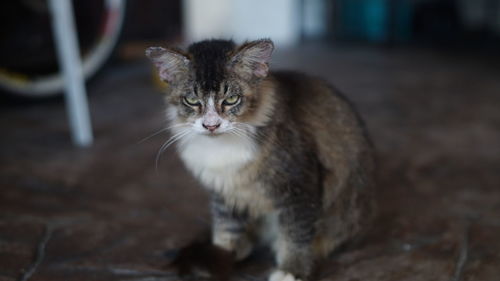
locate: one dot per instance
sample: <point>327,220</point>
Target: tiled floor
<point>106,213</point>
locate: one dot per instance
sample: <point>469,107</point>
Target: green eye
<point>192,101</point>
<point>232,100</point>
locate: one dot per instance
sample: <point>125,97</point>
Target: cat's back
<point>317,106</point>
<point>323,114</point>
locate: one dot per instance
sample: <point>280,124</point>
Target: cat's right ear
<point>251,60</point>
<point>171,65</point>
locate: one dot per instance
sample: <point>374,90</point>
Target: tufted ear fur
<point>171,64</point>
<point>251,60</point>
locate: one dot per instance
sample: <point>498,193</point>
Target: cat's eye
<point>192,101</point>
<point>232,100</point>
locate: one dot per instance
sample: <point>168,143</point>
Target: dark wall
<point>440,23</point>
<point>153,20</point>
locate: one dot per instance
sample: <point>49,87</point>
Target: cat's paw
<point>279,275</point>
<point>240,245</point>
<point>243,250</point>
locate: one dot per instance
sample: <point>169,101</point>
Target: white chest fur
<point>221,164</point>
<point>216,161</point>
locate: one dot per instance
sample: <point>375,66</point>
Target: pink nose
<point>211,128</point>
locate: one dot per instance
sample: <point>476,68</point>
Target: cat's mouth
<point>213,134</point>
<point>208,133</point>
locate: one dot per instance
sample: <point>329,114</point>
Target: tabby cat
<point>285,157</point>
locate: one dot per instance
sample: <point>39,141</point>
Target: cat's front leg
<point>295,262</point>
<point>230,229</point>
<point>293,247</point>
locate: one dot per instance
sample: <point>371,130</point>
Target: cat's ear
<point>171,64</point>
<point>251,60</point>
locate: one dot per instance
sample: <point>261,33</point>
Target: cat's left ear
<point>251,60</point>
<point>171,64</point>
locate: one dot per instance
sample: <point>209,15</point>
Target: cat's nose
<point>211,128</point>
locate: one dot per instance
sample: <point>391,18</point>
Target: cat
<point>285,156</point>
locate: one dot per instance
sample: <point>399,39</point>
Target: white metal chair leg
<point>63,26</point>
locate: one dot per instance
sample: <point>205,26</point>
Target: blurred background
<point>424,74</point>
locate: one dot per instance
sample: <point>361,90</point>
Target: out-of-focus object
<point>315,19</point>
<point>28,61</point>
<point>243,20</point>
<point>440,23</point>
<point>372,20</point>
<point>480,14</point>
<point>63,25</point>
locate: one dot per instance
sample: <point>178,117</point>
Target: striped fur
<point>290,164</point>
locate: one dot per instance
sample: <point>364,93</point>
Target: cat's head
<point>215,86</point>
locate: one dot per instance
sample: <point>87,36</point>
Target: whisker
<point>169,142</point>
<point>173,139</point>
<point>246,127</point>
<point>237,134</point>
<point>160,131</point>
<point>255,134</point>
<point>241,133</point>
<point>247,133</point>
<point>152,135</point>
